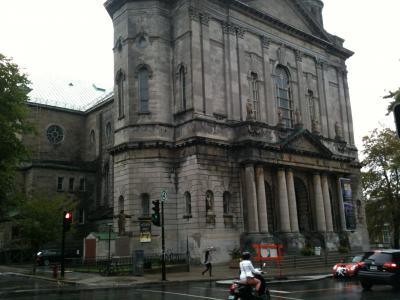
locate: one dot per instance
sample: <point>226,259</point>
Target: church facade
<point>238,111</point>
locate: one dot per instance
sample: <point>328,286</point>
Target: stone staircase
<point>314,263</point>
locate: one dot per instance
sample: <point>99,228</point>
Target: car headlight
<point>353,267</point>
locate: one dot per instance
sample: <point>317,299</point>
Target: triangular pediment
<point>304,142</point>
<point>289,12</point>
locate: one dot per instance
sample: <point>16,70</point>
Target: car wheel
<point>366,285</point>
<point>46,262</point>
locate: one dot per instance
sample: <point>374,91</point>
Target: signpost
<point>163,198</point>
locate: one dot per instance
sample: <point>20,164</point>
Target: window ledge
<point>144,113</point>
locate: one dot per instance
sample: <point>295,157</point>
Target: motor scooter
<point>242,291</point>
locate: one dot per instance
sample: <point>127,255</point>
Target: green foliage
<point>381,182</point>
<point>235,253</point>
<point>396,99</point>
<point>343,249</point>
<point>39,219</point>
<point>307,251</point>
<point>13,111</point>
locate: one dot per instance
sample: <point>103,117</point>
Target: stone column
<point>327,203</point>
<point>294,223</point>
<point>261,200</point>
<point>302,104</point>
<point>251,199</point>
<point>284,217</point>
<point>319,203</point>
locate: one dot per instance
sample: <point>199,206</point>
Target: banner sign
<point>348,205</point>
<point>145,232</point>
<point>268,252</point>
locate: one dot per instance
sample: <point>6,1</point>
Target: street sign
<point>164,195</point>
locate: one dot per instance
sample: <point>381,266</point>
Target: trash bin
<point>317,250</point>
<point>138,263</point>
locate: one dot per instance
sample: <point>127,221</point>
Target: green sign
<point>164,195</point>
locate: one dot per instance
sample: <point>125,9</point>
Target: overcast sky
<point>72,40</point>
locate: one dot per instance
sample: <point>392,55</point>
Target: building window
<point>254,94</point>
<point>143,89</point>
<point>182,86</point>
<point>145,205</point>
<point>81,216</point>
<point>108,132</point>
<point>119,80</point>
<point>283,95</point>
<point>71,184</point>
<point>386,234</point>
<point>82,184</point>
<point>188,204</point>
<point>55,134</point>
<point>60,181</point>
<point>227,203</point>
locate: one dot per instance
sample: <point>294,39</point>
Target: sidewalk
<point>222,275</point>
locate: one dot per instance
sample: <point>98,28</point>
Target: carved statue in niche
<point>298,119</point>
<point>121,222</point>
<point>315,127</point>
<point>249,110</point>
<point>209,202</point>
<point>338,131</point>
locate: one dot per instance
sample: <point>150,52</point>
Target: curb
<point>278,281</point>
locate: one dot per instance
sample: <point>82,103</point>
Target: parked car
<point>380,267</point>
<point>348,267</point>
<point>46,257</point>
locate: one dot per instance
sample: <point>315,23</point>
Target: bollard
<point>55,271</point>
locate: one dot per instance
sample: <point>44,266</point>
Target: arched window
<point>209,202</point>
<point>254,93</point>
<point>143,77</point>
<point>120,203</point>
<point>92,137</point>
<point>120,79</point>
<point>227,203</point>
<point>108,132</point>
<point>145,205</point>
<point>188,204</point>
<point>283,95</point>
<point>182,86</point>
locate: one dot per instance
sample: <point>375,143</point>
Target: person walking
<point>207,262</point>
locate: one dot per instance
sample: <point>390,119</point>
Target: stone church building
<point>239,110</point>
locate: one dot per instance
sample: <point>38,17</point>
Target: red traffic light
<point>68,216</point>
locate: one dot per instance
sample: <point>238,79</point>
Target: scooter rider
<point>247,271</point>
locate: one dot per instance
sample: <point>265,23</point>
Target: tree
<point>381,182</point>
<point>39,219</point>
<point>13,111</point>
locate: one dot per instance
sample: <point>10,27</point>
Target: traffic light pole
<point>62,249</point>
<point>162,243</point>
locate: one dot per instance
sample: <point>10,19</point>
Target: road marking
<point>283,297</point>
<point>179,294</point>
<point>279,292</point>
<point>204,297</point>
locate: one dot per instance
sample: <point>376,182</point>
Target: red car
<point>348,267</point>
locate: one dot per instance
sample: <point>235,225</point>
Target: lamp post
<point>109,240</point>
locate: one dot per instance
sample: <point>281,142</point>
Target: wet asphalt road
<point>19,288</point>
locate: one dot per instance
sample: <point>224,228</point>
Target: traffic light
<point>67,220</point>
<point>155,217</point>
<point>396,113</point>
